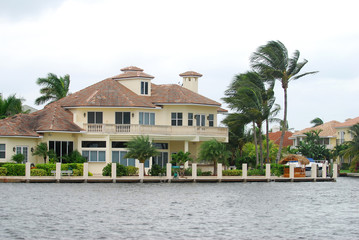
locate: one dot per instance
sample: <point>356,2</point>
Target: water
<point>274,210</point>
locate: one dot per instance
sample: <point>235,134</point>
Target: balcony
<point>136,129</point>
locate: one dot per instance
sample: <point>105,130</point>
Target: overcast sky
<point>93,39</point>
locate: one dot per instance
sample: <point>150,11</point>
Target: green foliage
<point>316,122</point>
<point>354,166</point>
<point>121,170</point>
<point>48,167</point>
<point>277,169</point>
<point>214,151</point>
<point>256,172</point>
<point>74,157</point>
<point>180,158</point>
<point>132,171</point>
<point>41,150</point>
<point>15,169</point>
<point>10,106</point>
<point>18,158</point>
<point>311,146</point>
<point>141,148</point>
<point>345,166</point>
<point>232,172</point>
<point>54,88</point>
<point>38,172</point>
<point>76,172</point>
<point>188,172</point>
<point>353,145</point>
<point>156,170</point>
<point>207,173</point>
<point>52,156</point>
<point>3,171</point>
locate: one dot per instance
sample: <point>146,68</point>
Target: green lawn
<point>344,171</point>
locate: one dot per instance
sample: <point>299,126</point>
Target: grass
<point>344,171</point>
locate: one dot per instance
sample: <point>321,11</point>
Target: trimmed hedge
<point>48,167</point>
<point>132,171</point>
<point>121,170</point>
<point>15,169</point>
<point>3,171</point>
<point>37,172</point>
<point>256,172</point>
<point>233,172</point>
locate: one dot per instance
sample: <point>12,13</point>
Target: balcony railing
<point>135,129</point>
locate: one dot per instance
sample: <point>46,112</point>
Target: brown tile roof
<point>348,123</point>
<point>328,129</point>
<point>173,93</point>
<point>133,74</point>
<point>107,93</point>
<point>190,74</point>
<point>131,68</point>
<point>275,137</point>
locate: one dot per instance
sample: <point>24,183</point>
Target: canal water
<point>322,210</point>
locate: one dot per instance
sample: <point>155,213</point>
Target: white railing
<point>155,129</point>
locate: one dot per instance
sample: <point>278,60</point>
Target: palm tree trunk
<point>260,144</point>
<point>215,167</point>
<point>267,140</point>
<point>255,142</point>
<point>284,126</point>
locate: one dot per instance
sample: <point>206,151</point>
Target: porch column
<point>186,150</point>
<point>86,171</point>
<point>291,170</point>
<point>335,171</point>
<point>114,172</point>
<point>194,171</point>
<point>219,172</point>
<point>268,171</point>
<point>140,171</point>
<point>169,171</point>
<point>108,150</point>
<point>58,172</point>
<point>244,171</point>
<point>324,170</point>
<point>314,171</point>
<point>27,171</point>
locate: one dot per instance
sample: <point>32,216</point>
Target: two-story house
<point>99,120</point>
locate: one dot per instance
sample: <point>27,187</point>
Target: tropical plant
<point>312,147</point>
<point>121,170</point>
<point>10,106</point>
<point>74,157</point>
<point>141,148</point>
<point>54,88</point>
<point>181,158</point>
<point>18,158</point>
<point>41,150</point>
<point>316,122</point>
<point>157,170</point>
<point>215,152</point>
<point>272,61</point>
<point>353,147</point>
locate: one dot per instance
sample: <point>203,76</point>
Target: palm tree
<point>142,149</point>
<point>181,158</point>
<point>352,145</point>
<point>316,122</point>
<point>215,152</point>
<point>272,61</point>
<point>41,150</point>
<point>10,106</point>
<point>54,88</point>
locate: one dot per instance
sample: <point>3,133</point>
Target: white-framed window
<point>176,119</point>
<point>94,156</point>
<point>161,159</point>
<point>190,119</point>
<point>211,120</point>
<point>200,120</point>
<point>23,150</point>
<point>123,118</point>
<point>2,150</point>
<point>61,148</point>
<point>119,157</point>
<point>95,117</point>
<point>144,88</point>
<point>147,118</point>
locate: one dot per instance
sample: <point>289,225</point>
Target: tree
<point>215,152</point>
<point>316,122</point>
<point>272,61</point>
<point>353,147</point>
<point>312,147</point>
<point>141,148</point>
<point>41,150</point>
<point>181,158</point>
<point>54,88</point>
<point>18,158</point>
<point>10,106</point>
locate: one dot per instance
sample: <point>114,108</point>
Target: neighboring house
<point>275,137</point>
<point>28,108</point>
<point>99,120</point>
<point>327,135</point>
<point>343,134</point>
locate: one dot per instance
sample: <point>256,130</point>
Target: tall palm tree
<point>214,151</point>
<point>316,122</point>
<point>54,88</point>
<point>272,61</point>
<point>352,145</point>
<point>10,106</point>
<point>142,149</point>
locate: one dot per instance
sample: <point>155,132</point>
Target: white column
<point>194,170</point>
<point>186,150</point>
<point>268,170</point>
<point>86,171</point>
<point>291,170</point>
<point>335,171</point>
<point>108,149</point>
<point>244,170</point>
<point>314,170</point>
<point>140,171</point>
<point>169,170</point>
<point>58,171</point>
<point>27,171</point>
<point>114,172</point>
<point>324,170</point>
<point>219,171</point>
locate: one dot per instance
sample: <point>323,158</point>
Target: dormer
<point>136,80</point>
<point>190,80</point>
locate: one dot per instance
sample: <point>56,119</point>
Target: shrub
<point>188,172</point>
<point>256,172</point>
<point>345,166</point>
<point>121,170</point>
<point>48,167</point>
<point>277,169</point>
<point>157,170</point>
<point>207,173</point>
<point>354,166</point>
<point>80,168</point>
<point>233,172</point>
<point>15,169</point>
<point>38,172</point>
<point>18,158</point>
<point>132,171</point>
<point>76,172</point>
<point>74,157</point>
<point>3,171</point>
